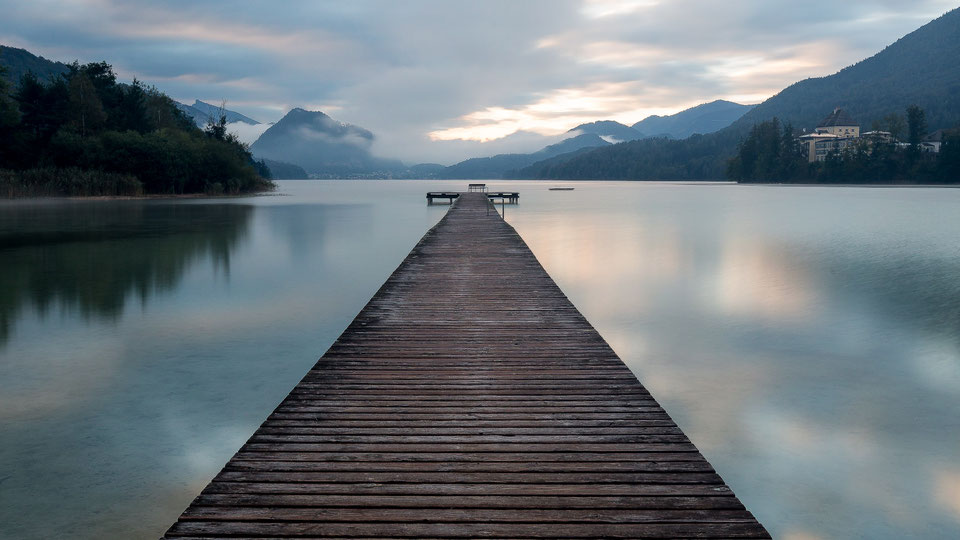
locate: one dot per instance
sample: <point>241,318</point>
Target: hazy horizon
<point>443,81</point>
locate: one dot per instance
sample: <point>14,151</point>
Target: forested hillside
<point>83,133</point>
<point>772,153</point>
<point>502,165</point>
<point>609,129</point>
<point>702,119</point>
<point>204,113</point>
<point>919,69</point>
<point>19,62</point>
<point>280,170</point>
<point>660,158</point>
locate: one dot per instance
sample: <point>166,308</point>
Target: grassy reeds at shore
<point>67,182</point>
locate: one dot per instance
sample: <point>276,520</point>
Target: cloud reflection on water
<point>166,332</point>
<point>804,338</point>
<point>91,257</point>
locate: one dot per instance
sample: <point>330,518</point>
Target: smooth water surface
<point>806,339</point>
<point>142,342</point>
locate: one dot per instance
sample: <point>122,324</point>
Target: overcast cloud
<point>444,80</point>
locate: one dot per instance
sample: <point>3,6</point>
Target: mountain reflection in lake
<point>144,341</point>
<point>806,339</point>
<point>87,258</point>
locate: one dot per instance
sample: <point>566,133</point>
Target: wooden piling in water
<point>468,399</point>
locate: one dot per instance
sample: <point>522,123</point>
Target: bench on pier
<point>482,188</point>
<point>509,197</point>
<point>448,195</point>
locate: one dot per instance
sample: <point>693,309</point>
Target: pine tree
<point>86,110</point>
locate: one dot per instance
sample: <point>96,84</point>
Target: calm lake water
<point>806,339</point>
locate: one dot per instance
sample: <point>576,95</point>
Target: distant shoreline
<point>150,197</point>
<point>772,184</point>
<point>157,196</point>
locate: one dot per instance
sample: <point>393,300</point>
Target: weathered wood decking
<point>469,398</point>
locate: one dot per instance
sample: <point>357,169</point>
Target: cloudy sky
<point>443,80</point>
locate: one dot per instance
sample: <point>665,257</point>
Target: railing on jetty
<point>449,409</point>
<point>450,196</point>
<point>510,197</point>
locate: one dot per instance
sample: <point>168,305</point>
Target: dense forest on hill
<point>659,158</point>
<point>506,165</point>
<point>19,62</point>
<point>772,153</point>
<point>702,119</point>
<point>280,170</point>
<point>919,69</point>
<point>83,133</point>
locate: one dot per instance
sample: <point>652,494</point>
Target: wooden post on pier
<point>468,399</point>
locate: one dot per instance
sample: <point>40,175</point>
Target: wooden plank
<point>545,502</point>
<point>278,529</point>
<point>486,477</point>
<point>486,457</point>
<point>423,488</point>
<point>434,515</point>
<point>473,467</point>
<point>468,399</point>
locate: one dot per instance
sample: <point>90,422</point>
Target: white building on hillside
<point>835,133</point>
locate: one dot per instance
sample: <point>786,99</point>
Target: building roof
<point>936,136</point>
<point>838,117</point>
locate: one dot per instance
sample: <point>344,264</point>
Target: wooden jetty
<point>510,197</point>
<point>468,399</point>
<point>450,196</point>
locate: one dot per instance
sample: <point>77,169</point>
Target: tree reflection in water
<point>88,257</point>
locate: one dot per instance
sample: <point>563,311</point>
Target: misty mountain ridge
<point>19,61</point>
<point>202,113</point>
<point>427,170</point>
<point>609,130</point>
<point>702,119</point>
<point>303,141</point>
<point>496,166</point>
<point>321,145</point>
<point>705,118</point>
<point>918,69</point>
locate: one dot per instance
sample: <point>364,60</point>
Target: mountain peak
<point>724,102</point>
<point>918,69</point>
<point>202,112</point>
<point>704,118</point>
<point>321,123</point>
<point>320,144</point>
<point>583,140</point>
<point>608,129</point>
<point>299,114</point>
